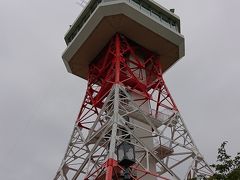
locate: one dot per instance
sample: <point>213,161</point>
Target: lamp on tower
<point>126,158</point>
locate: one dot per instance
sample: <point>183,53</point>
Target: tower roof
<point>143,21</point>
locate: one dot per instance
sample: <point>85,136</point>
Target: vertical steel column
<point>109,173</point>
<point>117,58</point>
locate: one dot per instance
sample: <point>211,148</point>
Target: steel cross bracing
<point>123,80</point>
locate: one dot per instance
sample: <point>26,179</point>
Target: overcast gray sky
<point>39,100</point>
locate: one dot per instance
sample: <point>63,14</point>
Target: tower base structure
<point>127,100</point>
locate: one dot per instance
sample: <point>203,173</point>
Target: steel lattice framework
<point>127,100</point>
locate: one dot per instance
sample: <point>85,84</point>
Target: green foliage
<point>228,168</point>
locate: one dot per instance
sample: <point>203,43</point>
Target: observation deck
<point>143,21</point>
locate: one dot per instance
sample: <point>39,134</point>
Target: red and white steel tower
<point>129,126</point>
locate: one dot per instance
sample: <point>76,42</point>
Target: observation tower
<point>129,127</point>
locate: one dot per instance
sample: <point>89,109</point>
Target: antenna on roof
<point>82,3</point>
